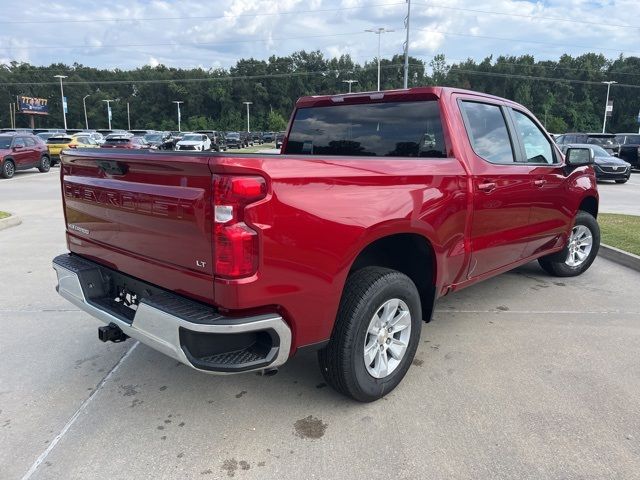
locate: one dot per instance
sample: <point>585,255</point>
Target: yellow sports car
<point>57,143</point>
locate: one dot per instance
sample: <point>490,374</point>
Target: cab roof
<point>417,93</point>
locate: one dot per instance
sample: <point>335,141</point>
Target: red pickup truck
<point>379,204</point>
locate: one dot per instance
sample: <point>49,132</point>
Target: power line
<point>217,17</point>
<point>186,44</point>
<point>498,63</point>
<point>534,17</point>
<point>399,66</point>
<point>327,72</point>
<point>536,78</point>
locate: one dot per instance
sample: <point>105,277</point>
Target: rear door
<point>501,187</point>
<point>33,152</point>
<point>550,217</point>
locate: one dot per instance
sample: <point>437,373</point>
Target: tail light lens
<point>72,145</point>
<point>236,245</point>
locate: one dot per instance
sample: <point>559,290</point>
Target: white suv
<point>194,141</point>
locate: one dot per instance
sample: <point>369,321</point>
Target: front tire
<point>580,252</point>
<point>375,336</point>
<point>45,164</point>
<point>8,169</point>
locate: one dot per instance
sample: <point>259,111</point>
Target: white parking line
<point>543,312</point>
<point>75,416</point>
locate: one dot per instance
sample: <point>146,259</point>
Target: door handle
<point>539,183</point>
<point>487,186</point>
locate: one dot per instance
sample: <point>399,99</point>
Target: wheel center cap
<point>382,336</point>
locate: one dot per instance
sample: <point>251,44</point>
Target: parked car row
<point>616,154</point>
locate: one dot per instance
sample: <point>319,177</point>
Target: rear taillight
<point>236,245</point>
<point>72,146</point>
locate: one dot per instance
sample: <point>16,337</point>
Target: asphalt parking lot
<point>623,198</point>
<point>523,376</point>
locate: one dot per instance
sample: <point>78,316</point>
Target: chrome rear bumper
<point>176,326</point>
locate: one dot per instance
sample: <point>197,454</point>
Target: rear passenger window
<point>30,142</point>
<point>536,146</point>
<point>487,130</point>
<point>390,129</point>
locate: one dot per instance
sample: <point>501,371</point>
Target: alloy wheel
<point>387,338</point>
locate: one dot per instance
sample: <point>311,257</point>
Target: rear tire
<point>45,164</point>
<point>376,334</point>
<point>8,169</point>
<point>580,252</point>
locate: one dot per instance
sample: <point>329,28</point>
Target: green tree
<point>276,122</point>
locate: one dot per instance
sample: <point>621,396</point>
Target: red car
<point>125,141</point>
<point>22,151</point>
<point>380,203</point>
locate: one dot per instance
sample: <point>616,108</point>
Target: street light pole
<point>349,82</point>
<point>379,31</point>
<point>178,102</point>
<point>606,103</point>
<point>108,102</point>
<point>84,107</point>
<point>247,104</point>
<point>64,103</point>
<point>406,46</point>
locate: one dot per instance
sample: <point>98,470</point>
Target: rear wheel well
<point>589,205</point>
<point>409,253</point>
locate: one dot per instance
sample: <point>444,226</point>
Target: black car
<point>160,140</point>
<point>629,148</point>
<point>268,137</point>
<point>247,139</point>
<point>234,140</point>
<point>605,140</point>
<point>606,166</point>
<point>257,137</point>
<point>218,140</point>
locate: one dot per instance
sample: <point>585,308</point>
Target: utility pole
<point>108,102</point>
<point>379,31</point>
<point>349,82</point>
<point>64,100</point>
<point>247,104</point>
<point>128,118</point>
<point>606,104</point>
<point>178,102</point>
<point>84,106</point>
<point>406,45</point>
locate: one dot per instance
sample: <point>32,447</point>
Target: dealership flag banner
<point>609,108</point>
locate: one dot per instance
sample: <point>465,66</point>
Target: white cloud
<point>106,36</point>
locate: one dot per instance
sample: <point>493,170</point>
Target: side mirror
<point>577,157</point>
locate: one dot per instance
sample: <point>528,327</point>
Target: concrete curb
<point>11,221</point>
<point>620,256</point>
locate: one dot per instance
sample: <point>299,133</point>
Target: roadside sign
<point>32,105</point>
<point>64,104</point>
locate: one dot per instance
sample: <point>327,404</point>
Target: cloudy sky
<point>215,33</point>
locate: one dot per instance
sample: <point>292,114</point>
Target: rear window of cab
<point>389,129</point>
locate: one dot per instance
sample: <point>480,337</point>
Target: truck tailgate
<point>147,214</point>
